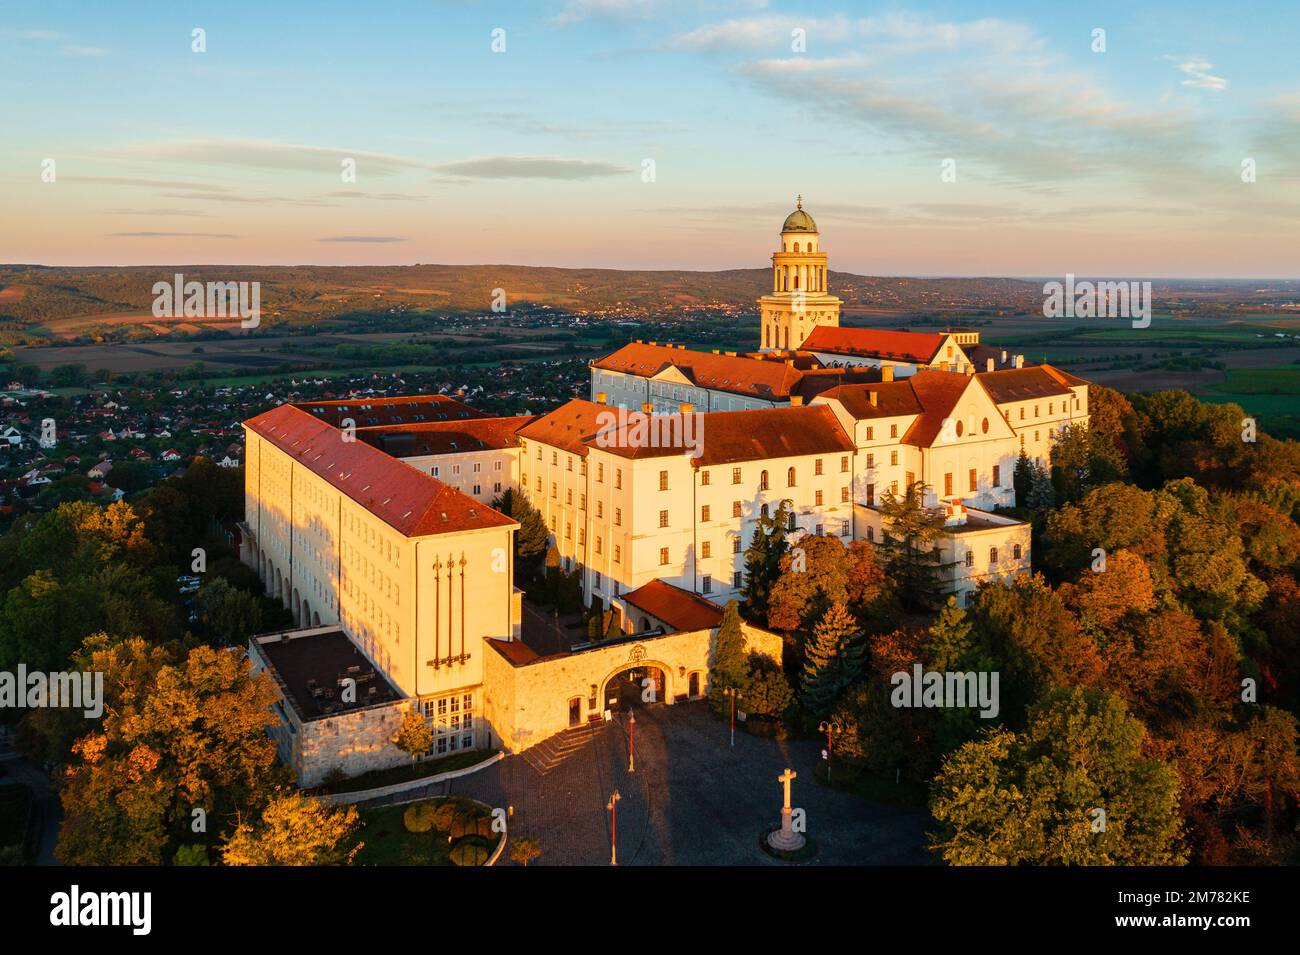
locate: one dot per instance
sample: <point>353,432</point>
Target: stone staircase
<point>554,750</point>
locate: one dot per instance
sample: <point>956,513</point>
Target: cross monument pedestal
<point>786,839</point>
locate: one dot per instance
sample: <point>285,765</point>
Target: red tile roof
<point>569,426</point>
<point>918,347</point>
<point>731,436</point>
<point>938,393</point>
<point>410,501</point>
<point>1022,384</point>
<point>682,610</point>
<point>893,399</point>
<point>369,412</point>
<point>445,437</point>
<point>754,377</point>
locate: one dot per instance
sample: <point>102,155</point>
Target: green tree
<point>910,534</point>
<point>767,690</point>
<point>1073,788</point>
<point>763,560</point>
<point>524,850</point>
<point>532,538</point>
<point>832,660</point>
<point>727,663</point>
<point>228,613</point>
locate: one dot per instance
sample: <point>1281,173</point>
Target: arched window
<point>796,246</point>
<point>789,478</point>
<point>762,481</point>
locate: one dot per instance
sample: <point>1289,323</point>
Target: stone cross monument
<point>786,839</point>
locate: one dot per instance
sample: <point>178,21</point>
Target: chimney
<point>654,343</point>
<point>686,407</point>
<point>988,366</point>
<point>886,372</point>
<point>640,342</point>
<point>647,408</point>
<point>717,351</point>
<point>600,397</point>
<point>796,401</point>
<point>873,396</point>
<point>1020,361</point>
<point>730,354</point>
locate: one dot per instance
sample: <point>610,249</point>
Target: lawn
<point>1261,381</point>
<point>401,774</point>
<point>457,822</point>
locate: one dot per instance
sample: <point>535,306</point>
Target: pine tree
<point>1022,478</point>
<point>1042,496</point>
<point>825,674</point>
<point>532,537</point>
<point>727,663</point>
<point>909,539</point>
<point>763,560</point>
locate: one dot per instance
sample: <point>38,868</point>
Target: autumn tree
<point>180,734</point>
<point>524,850</point>
<point>294,829</point>
<point>413,737</point>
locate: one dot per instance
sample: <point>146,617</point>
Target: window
<point>600,543</point>
<point>1015,551</point>
<point>893,459</point>
<point>735,544</point>
<point>735,508</point>
<point>582,536</point>
<point>568,531</point>
<point>600,509</point>
<point>762,481</point>
<point>663,518</point>
<point>704,514</point>
<point>947,484</point>
<point>736,580</point>
<point>555,490</point>
<point>1022,440</point>
<point>568,496</point>
<point>893,488</point>
<point>539,452</point>
<point>993,556</point>
<point>893,431</point>
<point>846,528</point>
<point>618,554</point>
<point>997,475</point>
<point>817,466</point>
<point>600,473</point>
<point>984,426</point>
<point>663,556</point>
<point>789,477</point>
<point>960,427</point>
<point>1022,414</point>
<point>618,479</point>
<point>844,494</point>
<point>1035,435</point>
<point>871,461</point>
<point>706,549</point>
<point>735,475</point>
<point>455,469</point>
<point>970,558</point>
<point>1051,407</point>
<point>871,535</point>
<point>478,489</point>
<point>974,483</point>
<point>706,584</point>
<point>663,480</point>
<point>597,581</point>
<point>555,458</point>
<point>582,502</point>
<point>817,499</point>
<point>844,464</point>
<point>1035,411</point>
<point>496,487</point>
<point>911,479</point>
<point>618,517</point>
<point>871,433</point>
<point>704,478</point>
<point>871,494</point>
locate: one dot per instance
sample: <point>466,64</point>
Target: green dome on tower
<point>799,221</point>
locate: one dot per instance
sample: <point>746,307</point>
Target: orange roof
<point>445,437</point>
<point>569,426</point>
<point>938,393</point>
<point>893,399</point>
<point>682,610</point>
<point>1022,384</point>
<point>731,436</point>
<point>369,412</point>
<point>754,377</point>
<point>410,501</point>
<point>918,347</point>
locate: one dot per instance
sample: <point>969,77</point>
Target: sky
<point>926,138</point>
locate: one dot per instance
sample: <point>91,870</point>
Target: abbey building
<point>372,520</point>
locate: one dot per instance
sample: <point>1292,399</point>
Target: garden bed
<point>402,774</point>
<point>449,830</point>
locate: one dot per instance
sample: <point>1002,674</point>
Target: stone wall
<point>526,703</point>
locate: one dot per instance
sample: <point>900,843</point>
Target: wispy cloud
<point>1198,69</point>
<point>531,167</point>
<point>363,238</point>
<point>173,235</point>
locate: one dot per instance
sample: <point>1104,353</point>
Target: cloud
<point>576,11</point>
<point>1198,69</point>
<point>262,154</point>
<point>176,235</point>
<point>364,238</point>
<point>531,167</point>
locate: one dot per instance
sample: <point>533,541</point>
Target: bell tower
<point>799,301</point>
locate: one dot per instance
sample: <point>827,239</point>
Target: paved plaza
<point>691,801</point>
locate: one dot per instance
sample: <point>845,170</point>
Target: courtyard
<point>692,800</point>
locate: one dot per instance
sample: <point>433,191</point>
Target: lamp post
<point>832,729</point>
<point>631,743</point>
<point>732,692</point>
<point>612,806</point>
